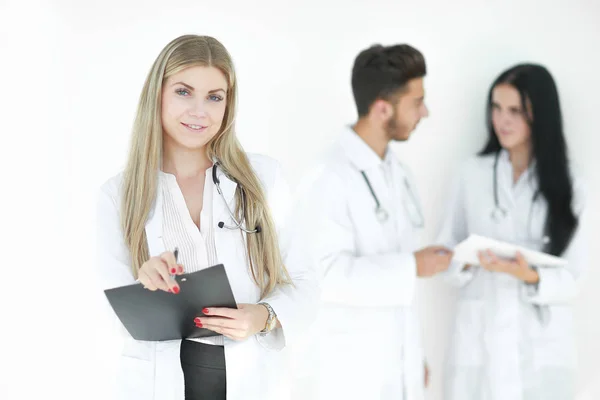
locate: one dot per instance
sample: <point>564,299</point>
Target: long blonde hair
<point>140,180</point>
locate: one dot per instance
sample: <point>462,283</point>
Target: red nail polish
<point>198,325</point>
<point>197,320</point>
<point>180,269</point>
<point>205,310</point>
<point>175,289</point>
<point>173,270</point>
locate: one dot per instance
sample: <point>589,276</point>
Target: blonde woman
<point>167,198</point>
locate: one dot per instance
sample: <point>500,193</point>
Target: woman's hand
<point>237,324</point>
<point>519,268</point>
<point>155,274</point>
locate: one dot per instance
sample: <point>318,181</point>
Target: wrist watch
<point>271,320</point>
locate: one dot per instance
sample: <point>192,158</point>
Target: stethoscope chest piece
<point>498,214</point>
<point>381,214</point>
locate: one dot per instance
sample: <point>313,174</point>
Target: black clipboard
<point>159,315</point>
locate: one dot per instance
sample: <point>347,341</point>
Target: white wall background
<point>71,75</point>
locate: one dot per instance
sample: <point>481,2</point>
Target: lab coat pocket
<point>557,324</point>
<point>554,341</point>
<point>342,360</point>
<point>465,347</point>
<point>137,349</point>
<point>135,378</point>
<point>473,290</point>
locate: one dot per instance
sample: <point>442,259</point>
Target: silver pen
<point>176,254</point>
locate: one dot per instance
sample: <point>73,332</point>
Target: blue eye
<point>182,92</point>
<point>216,98</point>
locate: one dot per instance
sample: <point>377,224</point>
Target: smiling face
<point>193,106</point>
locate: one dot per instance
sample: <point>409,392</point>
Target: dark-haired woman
<point>513,331</point>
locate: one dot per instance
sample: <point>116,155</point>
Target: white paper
<point>467,250</point>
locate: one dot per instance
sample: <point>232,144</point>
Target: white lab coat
<point>366,341</point>
<point>509,340</point>
<point>256,369</point>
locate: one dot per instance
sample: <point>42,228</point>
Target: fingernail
<point>175,289</point>
<point>173,270</point>
<point>205,310</point>
<point>180,269</point>
<point>197,320</point>
<point>198,325</point>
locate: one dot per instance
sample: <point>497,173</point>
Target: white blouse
<point>197,249</point>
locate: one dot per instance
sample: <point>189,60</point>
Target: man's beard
<point>395,131</point>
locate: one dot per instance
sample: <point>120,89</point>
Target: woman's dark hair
<point>380,72</point>
<point>537,88</point>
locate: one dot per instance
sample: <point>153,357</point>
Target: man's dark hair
<point>380,72</point>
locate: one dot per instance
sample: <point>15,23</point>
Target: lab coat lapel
<point>231,244</point>
<point>363,158</point>
<point>377,181</point>
<point>228,188</point>
<point>407,206</point>
<point>504,228</point>
<point>169,382</point>
<point>505,181</point>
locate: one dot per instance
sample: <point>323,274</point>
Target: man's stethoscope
<point>413,210</point>
<point>499,213</point>
<point>238,224</point>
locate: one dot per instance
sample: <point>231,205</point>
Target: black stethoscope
<point>238,224</point>
<point>382,215</point>
<point>499,212</point>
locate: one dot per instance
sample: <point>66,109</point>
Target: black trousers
<point>203,371</point>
